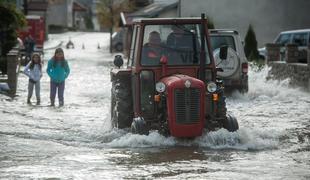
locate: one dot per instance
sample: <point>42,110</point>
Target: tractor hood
<point>182,81</point>
<point>185,97</point>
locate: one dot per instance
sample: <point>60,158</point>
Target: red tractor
<point>169,83</point>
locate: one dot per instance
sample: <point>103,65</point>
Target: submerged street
<point>77,141</point>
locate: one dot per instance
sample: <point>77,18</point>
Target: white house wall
<point>69,13</point>
<point>60,13</point>
<point>169,13</point>
<point>57,15</point>
<point>268,17</point>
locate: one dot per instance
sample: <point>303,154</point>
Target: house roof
<point>156,8</point>
<point>37,6</point>
<point>150,11</point>
<point>78,7</point>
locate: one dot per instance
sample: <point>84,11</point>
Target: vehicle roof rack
<point>224,31</point>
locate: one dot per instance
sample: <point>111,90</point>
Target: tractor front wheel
<point>138,126</point>
<point>231,123</point>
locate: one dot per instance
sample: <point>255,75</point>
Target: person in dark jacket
<point>58,70</point>
<point>29,47</point>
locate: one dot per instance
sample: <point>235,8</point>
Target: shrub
<point>210,23</point>
<point>250,47</point>
<point>88,22</point>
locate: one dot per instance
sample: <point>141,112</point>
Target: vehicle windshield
<point>180,44</point>
<point>218,41</point>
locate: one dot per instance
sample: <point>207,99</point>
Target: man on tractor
<point>153,50</point>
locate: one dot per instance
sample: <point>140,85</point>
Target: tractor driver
<point>153,50</point>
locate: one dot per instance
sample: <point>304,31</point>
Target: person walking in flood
<point>58,70</point>
<point>34,71</point>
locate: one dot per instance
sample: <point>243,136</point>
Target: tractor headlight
<point>211,87</point>
<point>160,87</point>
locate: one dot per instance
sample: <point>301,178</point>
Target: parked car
<point>118,40</point>
<point>300,37</point>
<point>235,68</point>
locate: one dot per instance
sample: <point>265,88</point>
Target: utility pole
<point>25,5</point>
<point>112,23</point>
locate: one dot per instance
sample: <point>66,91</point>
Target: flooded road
<point>77,142</point>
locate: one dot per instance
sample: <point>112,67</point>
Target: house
<point>79,13</point>
<point>267,17</point>
<point>58,14</point>
<point>36,7</point>
<point>157,9</point>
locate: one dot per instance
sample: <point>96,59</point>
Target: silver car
<point>117,40</point>
<point>235,68</point>
<point>299,37</point>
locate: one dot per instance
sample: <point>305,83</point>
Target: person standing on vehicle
<point>58,70</point>
<point>34,71</point>
<point>29,46</point>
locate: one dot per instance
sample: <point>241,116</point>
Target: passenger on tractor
<point>180,37</point>
<point>153,50</point>
<point>183,45</point>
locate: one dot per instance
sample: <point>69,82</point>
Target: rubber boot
<point>28,101</point>
<point>52,103</point>
<point>38,101</point>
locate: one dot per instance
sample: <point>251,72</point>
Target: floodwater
<point>77,142</point>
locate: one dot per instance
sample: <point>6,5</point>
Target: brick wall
<point>298,73</point>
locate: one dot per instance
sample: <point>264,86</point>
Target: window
<point>132,47</point>
<point>181,44</point>
<point>284,39</point>
<point>300,39</point>
<point>218,41</point>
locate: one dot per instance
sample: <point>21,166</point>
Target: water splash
<point>262,89</point>
<point>243,139</point>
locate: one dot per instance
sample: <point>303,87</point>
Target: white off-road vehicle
<point>235,68</point>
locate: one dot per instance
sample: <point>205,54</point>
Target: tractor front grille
<point>187,105</point>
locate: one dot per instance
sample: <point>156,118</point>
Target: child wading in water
<point>34,71</point>
<point>58,70</point>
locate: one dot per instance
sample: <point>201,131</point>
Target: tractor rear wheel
<point>121,105</point>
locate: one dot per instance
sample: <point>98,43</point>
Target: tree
<point>10,21</point>
<point>250,47</point>
<point>88,22</point>
<point>210,23</point>
<point>109,13</point>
